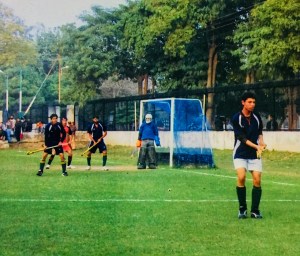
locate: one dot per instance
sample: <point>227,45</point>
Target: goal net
<point>182,130</point>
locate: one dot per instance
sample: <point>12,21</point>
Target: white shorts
<point>248,164</point>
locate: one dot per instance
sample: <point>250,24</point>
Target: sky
<point>54,13</point>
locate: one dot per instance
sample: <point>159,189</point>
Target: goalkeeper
<point>148,134</point>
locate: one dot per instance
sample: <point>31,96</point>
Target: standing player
<point>96,133</point>
<point>54,135</point>
<point>66,145</point>
<point>248,146</point>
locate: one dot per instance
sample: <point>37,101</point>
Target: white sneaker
<point>88,168</point>
<point>70,167</point>
<point>104,168</point>
<point>48,166</point>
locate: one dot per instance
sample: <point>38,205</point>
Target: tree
<point>269,45</point>
<point>194,27</point>
<point>17,52</point>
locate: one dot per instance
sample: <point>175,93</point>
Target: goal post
<point>183,131</point>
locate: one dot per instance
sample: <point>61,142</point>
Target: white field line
<point>234,177</point>
<point>139,200</point>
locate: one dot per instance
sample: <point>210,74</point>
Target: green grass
<point>161,212</point>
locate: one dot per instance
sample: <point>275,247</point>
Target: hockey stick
<point>89,148</point>
<point>259,153</point>
<point>42,149</point>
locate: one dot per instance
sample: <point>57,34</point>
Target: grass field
<point>159,212</point>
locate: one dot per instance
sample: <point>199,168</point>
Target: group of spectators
<point>14,128</point>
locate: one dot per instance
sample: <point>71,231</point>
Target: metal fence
<point>281,99</point>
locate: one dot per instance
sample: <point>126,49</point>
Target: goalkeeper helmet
<point>148,118</point>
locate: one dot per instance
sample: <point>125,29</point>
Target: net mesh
<point>182,130</point>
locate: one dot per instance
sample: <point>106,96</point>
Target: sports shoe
<point>140,166</point>
<point>256,215</point>
<point>104,168</point>
<point>39,173</point>
<point>70,167</point>
<point>64,174</point>
<point>48,166</point>
<point>88,168</point>
<point>152,166</point>
<point>242,213</point>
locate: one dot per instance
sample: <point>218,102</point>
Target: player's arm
<point>240,133</point>
<point>47,139</point>
<point>63,134</point>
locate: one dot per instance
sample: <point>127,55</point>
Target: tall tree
<point>186,25</point>
<point>269,45</point>
<point>17,51</point>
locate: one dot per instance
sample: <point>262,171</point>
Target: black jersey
<point>54,133</point>
<point>246,129</point>
<point>97,132</point>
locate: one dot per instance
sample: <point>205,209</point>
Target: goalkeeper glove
<point>157,141</point>
<point>138,143</point>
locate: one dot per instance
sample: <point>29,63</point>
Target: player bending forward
<point>96,133</point>
<point>54,136</point>
<point>248,146</point>
<point>66,145</point>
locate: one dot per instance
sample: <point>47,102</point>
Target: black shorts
<point>58,150</point>
<point>101,146</point>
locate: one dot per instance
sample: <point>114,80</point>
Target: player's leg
<point>50,159</point>
<point>89,155</point>
<point>241,192</point>
<point>42,162</point>
<point>60,152</point>
<point>151,155</point>
<point>142,155</point>
<point>241,167</point>
<point>256,195</point>
<point>103,150</point>
<point>70,157</point>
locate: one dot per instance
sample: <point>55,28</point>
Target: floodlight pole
<point>6,90</point>
<point>60,76</point>
<point>20,93</point>
<point>172,131</point>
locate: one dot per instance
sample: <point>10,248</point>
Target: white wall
<point>279,141</point>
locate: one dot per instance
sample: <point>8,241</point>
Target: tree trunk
<point>292,108</point>
<point>145,84</point>
<point>140,84</point>
<point>250,77</point>
<point>153,84</point>
<point>211,78</point>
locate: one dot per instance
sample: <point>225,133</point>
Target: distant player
<point>96,133</point>
<point>54,135</point>
<point>148,133</point>
<point>248,146</point>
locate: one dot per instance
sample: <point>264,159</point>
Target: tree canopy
<point>183,44</point>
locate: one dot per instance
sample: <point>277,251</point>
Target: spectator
<point>39,127</point>
<point>73,132</point>
<point>3,128</point>
<point>2,134</point>
<point>18,130</point>
<point>272,125</point>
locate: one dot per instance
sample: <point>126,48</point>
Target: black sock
<point>256,196</point>
<point>63,165</point>
<point>104,160</point>
<point>88,160</point>
<point>42,165</point>
<point>69,160</point>
<point>241,194</point>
